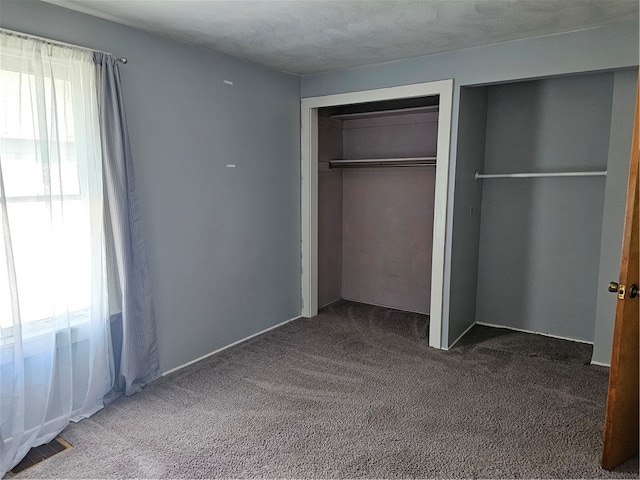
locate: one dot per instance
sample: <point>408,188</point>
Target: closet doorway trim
<point>309,172</point>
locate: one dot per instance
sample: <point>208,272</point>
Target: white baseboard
<point>531,331</point>
<point>600,364</point>
<point>461,335</point>
<point>229,346</point>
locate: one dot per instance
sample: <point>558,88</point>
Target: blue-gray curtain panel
<point>133,326</point>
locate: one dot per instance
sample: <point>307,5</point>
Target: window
<point>46,153</point>
<point>59,357</point>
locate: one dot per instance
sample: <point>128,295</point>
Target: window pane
<point>37,161</point>
<point>52,256</point>
<point>24,175</point>
<point>49,221</point>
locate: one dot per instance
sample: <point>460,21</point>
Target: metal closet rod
<point>384,162</point>
<point>534,175</point>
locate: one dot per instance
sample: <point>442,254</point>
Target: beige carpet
<point>356,392</point>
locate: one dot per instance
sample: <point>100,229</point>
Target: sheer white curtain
<point>54,334</point>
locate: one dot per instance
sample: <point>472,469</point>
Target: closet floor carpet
<point>357,392</point>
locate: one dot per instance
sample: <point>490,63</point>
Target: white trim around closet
<point>309,173</point>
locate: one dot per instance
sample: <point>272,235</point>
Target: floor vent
<point>39,454</point>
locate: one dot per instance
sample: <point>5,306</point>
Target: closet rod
<point>382,165</point>
<point>534,175</point>
<point>384,162</point>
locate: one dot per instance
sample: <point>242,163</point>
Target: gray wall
<point>223,243</point>
<point>605,48</point>
<point>540,237</point>
<point>329,212</point>
<point>388,212</point>
<point>394,135</point>
<point>467,208</point>
<point>387,237</point>
<point>624,88</point>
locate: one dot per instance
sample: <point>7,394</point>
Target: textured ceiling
<point>301,37</point>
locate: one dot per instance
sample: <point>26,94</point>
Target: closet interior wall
<point>329,212</point>
<point>375,225</point>
<point>539,242</point>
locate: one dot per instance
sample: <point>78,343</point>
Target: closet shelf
<point>383,162</point>
<point>535,175</point>
<point>394,111</point>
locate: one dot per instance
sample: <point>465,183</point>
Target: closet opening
<point>375,171</point>
<point>533,158</point>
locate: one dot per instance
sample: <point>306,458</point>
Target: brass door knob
<point>621,290</point>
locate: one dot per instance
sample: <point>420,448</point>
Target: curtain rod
<point>49,41</point>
